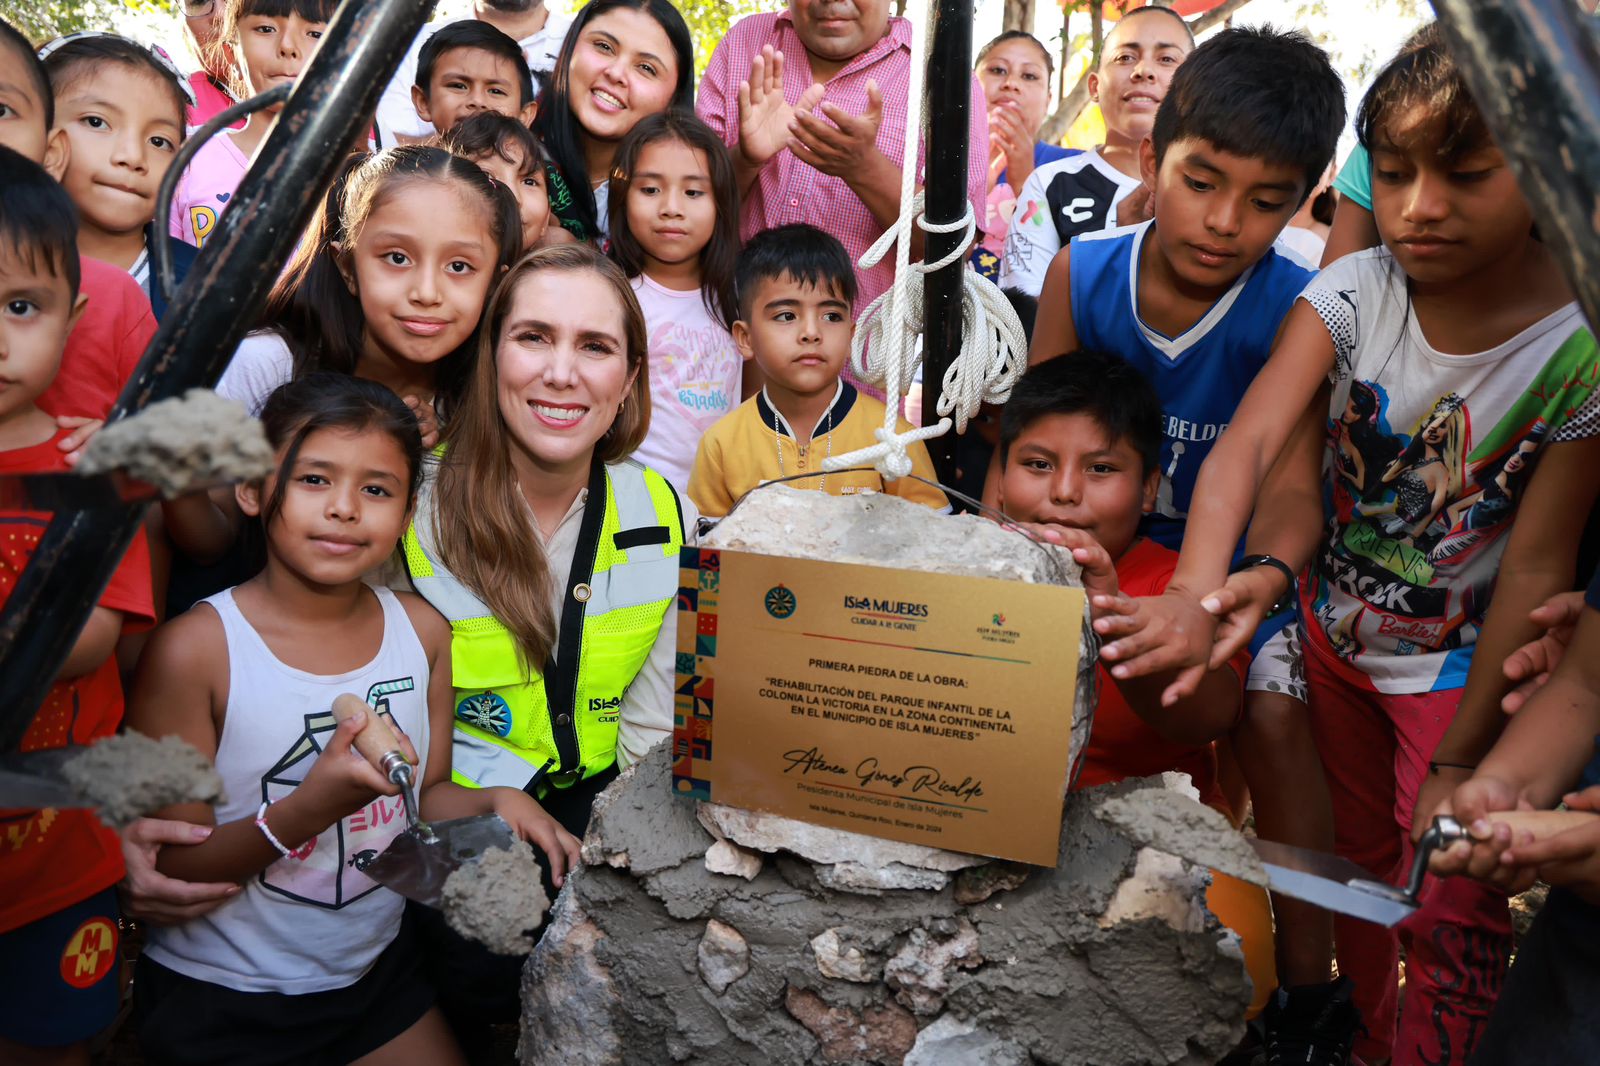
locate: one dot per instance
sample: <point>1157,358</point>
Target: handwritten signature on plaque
<point>911,781</point>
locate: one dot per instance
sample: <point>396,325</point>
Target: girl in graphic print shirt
<point>249,678</point>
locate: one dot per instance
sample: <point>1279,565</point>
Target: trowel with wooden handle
<point>1341,886</point>
<point>418,861</point>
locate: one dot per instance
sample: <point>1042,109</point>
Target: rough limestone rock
<point>838,956</point>
<point>723,956</point>
<point>949,1041</point>
<point>920,971</point>
<point>728,858</point>
<point>846,861</point>
<point>880,530</point>
<point>1064,966</point>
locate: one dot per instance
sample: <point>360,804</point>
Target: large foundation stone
<point>1110,958</point>
<point>697,933</point>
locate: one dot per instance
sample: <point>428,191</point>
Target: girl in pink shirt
<point>272,41</point>
<point>674,215</point>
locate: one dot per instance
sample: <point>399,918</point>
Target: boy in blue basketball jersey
<point>1194,299</point>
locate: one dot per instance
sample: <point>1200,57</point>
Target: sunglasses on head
<point>198,8</point>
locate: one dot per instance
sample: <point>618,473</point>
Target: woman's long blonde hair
<point>480,521</point>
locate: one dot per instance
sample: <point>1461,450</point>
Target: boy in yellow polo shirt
<point>796,295</point>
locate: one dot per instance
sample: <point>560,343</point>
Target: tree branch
<point>1220,13</point>
<point>1072,105</point>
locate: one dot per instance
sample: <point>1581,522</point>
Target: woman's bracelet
<point>266,831</point>
<point>1435,767</point>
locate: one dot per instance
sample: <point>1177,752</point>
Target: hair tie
<point>155,52</point>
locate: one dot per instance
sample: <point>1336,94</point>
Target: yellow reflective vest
<point>534,729</point>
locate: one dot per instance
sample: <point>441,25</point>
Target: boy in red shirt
<point>1080,443</point>
<point>58,868</point>
<point>116,324</point>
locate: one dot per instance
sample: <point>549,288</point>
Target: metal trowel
<point>1341,886</point>
<point>417,862</point>
<point>65,491</point>
<point>34,780</point>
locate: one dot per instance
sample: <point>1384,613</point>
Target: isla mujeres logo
<point>884,613</point>
<point>780,602</point>
<point>486,711</point>
<point>996,631</point>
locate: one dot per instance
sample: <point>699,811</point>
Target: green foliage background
<point>709,21</point>
<point>42,20</point>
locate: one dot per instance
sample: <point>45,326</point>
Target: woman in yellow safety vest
<point>555,558</point>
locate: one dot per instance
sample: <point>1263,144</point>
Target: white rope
<point>994,347</point>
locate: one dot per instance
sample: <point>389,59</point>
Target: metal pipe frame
<point>328,113</point>
<point>949,105</point>
<point>1534,70</point>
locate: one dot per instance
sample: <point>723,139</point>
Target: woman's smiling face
<point>623,69</point>
<point>562,366</point>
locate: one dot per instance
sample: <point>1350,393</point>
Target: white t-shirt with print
<point>1428,457</point>
<point>694,377</point>
<point>1059,201</point>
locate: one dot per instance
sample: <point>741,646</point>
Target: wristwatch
<point>1250,562</point>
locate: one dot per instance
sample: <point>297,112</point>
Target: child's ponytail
<point>720,254</point>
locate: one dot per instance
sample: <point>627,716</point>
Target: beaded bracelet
<point>261,824</point>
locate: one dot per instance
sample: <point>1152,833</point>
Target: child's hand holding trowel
<point>342,780</point>
<point>1571,858</point>
<point>1511,845</point>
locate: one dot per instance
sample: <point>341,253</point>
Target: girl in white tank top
<point>249,678</point>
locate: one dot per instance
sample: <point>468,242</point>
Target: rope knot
<point>994,348</point>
